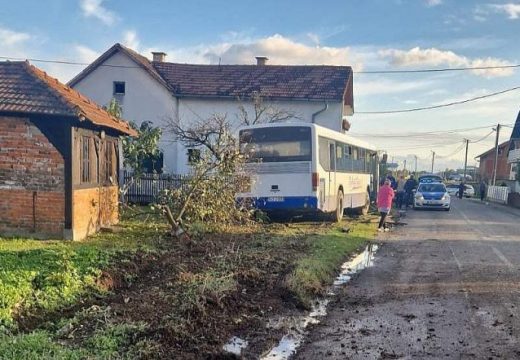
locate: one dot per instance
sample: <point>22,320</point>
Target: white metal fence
<point>498,194</point>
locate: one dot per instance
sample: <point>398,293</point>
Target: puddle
<point>235,346</point>
<point>292,340</point>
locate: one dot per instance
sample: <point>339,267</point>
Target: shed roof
<point>26,89</point>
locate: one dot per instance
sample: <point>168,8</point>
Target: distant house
<point>58,157</point>
<point>504,169</point>
<point>514,143</point>
<point>158,90</point>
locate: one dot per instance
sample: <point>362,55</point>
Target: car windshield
<point>432,188</point>
<point>453,186</point>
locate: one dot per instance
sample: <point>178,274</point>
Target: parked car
<point>453,190</point>
<point>432,196</point>
<point>430,178</point>
<point>469,191</point>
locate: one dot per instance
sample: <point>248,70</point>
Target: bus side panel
<point>354,188</point>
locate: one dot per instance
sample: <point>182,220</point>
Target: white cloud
<point>10,37</point>
<point>511,9</point>
<point>86,54</point>
<point>94,8</point>
<point>432,3</point>
<point>434,57</point>
<point>282,50</point>
<point>131,40</point>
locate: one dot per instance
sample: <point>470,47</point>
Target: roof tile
<point>27,89</point>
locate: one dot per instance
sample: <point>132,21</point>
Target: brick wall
<point>92,208</point>
<point>487,163</point>
<point>32,181</point>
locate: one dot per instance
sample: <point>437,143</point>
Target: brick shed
<point>59,157</point>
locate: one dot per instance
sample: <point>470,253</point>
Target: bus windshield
<point>276,144</point>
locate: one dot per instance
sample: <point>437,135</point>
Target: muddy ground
<point>446,285</point>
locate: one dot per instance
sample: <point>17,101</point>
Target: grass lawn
<point>40,275</point>
<point>190,300</point>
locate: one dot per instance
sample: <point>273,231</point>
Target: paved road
<point>447,286</point>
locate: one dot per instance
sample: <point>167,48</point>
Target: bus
<point>297,168</point>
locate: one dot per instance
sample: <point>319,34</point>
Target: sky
<point>365,34</point>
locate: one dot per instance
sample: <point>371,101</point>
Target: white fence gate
<point>498,194</point>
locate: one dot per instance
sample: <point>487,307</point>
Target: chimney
<point>261,60</point>
<point>159,56</point>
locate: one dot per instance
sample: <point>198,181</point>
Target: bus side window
<point>323,149</point>
<point>332,154</point>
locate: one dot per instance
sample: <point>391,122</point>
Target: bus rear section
<point>280,168</point>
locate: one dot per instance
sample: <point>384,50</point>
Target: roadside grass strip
<point>314,272</point>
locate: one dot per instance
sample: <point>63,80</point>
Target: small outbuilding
<point>59,157</point>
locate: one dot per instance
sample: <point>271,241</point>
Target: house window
<point>85,159</point>
<point>119,87</point>
<point>193,156</point>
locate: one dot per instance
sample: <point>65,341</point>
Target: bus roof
<point>321,131</point>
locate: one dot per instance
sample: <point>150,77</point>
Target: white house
<point>157,90</point>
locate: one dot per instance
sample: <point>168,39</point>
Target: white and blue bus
<point>306,168</point>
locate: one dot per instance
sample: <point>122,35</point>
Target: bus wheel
<point>338,214</point>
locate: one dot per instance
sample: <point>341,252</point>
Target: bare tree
<point>263,112</point>
<point>215,160</point>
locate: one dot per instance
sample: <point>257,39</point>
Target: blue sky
<point>366,34</point>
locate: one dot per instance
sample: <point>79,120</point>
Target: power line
<point>411,71</point>
<point>483,138</point>
<point>434,132</point>
<point>415,71</point>
<point>441,105</point>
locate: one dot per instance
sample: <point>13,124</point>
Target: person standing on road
<point>393,183</point>
<point>384,203</point>
<point>482,190</point>
<point>461,189</point>
<point>409,186</point>
<point>400,192</point>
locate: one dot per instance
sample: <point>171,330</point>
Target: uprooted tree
<point>208,192</point>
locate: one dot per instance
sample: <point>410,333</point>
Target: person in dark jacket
<point>482,190</point>
<point>409,186</point>
<point>393,182</point>
<point>461,189</point>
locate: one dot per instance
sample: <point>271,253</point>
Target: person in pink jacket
<point>384,203</point>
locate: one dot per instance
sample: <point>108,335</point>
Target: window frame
<point>115,84</point>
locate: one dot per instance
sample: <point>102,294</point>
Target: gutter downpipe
<point>320,111</point>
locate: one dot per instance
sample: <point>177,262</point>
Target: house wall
<point>32,181</point>
<point>148,100</point>
<point>193,110</point>
<point>144,100</point>
<point>503,168</point>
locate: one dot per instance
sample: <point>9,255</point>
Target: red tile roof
<point>28,90</point>
<point>310,82</point>
<point>270,81</point>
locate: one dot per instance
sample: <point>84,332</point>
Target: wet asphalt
<point>445,286</point>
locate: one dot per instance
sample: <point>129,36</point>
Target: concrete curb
<point>501,207</point>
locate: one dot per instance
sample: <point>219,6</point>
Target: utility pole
<point>433,159</point>
<point>495,164</point>
<point>415,164</point>
<point>466,159</point>
<point>405,165</point>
